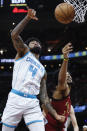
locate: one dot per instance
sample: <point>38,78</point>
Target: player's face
<point>35,47</point>
<point>68,78</point>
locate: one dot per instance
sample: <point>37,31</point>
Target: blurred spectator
<point>85,128</point>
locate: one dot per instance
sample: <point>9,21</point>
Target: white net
<point>80,7</point>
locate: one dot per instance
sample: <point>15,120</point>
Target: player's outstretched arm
<point>15,34</point>
<point>73,119</point>
<point>63,70</point>
<point>45,100</point>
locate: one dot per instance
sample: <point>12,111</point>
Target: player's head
<point>34,45</point>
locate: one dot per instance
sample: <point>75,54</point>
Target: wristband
<point>66,59</point>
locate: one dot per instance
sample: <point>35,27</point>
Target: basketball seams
<point>68,13</point>
<point>66,18</point>
<point>57,15</point>
<point>61,18</point>
<point>71,14</point>
<point>64,13</point>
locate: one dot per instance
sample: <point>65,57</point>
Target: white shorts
<point>18,107</point>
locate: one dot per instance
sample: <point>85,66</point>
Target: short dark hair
<point>32,39</point>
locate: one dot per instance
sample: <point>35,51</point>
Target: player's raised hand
<point>31,14</point>
<point>67,49</point>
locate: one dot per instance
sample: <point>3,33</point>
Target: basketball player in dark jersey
<point>61,100</point>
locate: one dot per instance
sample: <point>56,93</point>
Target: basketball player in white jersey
<point>29,78</point>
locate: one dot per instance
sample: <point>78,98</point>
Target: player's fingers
<point>68,50</point>
<point>68,47</point>
<point>69,44</point>
<point>34,12</point>
<point>63,118</point>
<point>35,18</point>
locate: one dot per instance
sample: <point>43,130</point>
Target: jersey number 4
<point>33,70</point>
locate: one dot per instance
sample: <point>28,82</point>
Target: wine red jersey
<point>62,107</point>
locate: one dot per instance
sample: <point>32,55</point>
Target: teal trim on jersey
<point>9,125</point>
<point>23,94</point>
<point>23,56</point>
<point>33,122</point>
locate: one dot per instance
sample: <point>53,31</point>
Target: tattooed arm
<point>15,35</point>
<point>45,100</point>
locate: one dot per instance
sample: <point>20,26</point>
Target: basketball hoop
<point>80,7</point>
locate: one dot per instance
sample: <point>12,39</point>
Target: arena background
<point>53,36</point>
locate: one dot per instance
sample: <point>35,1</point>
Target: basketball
<point>64,13</point>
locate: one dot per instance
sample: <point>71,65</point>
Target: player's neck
<point>36,55</point>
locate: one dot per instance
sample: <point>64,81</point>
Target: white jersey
<point>27,74</point>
